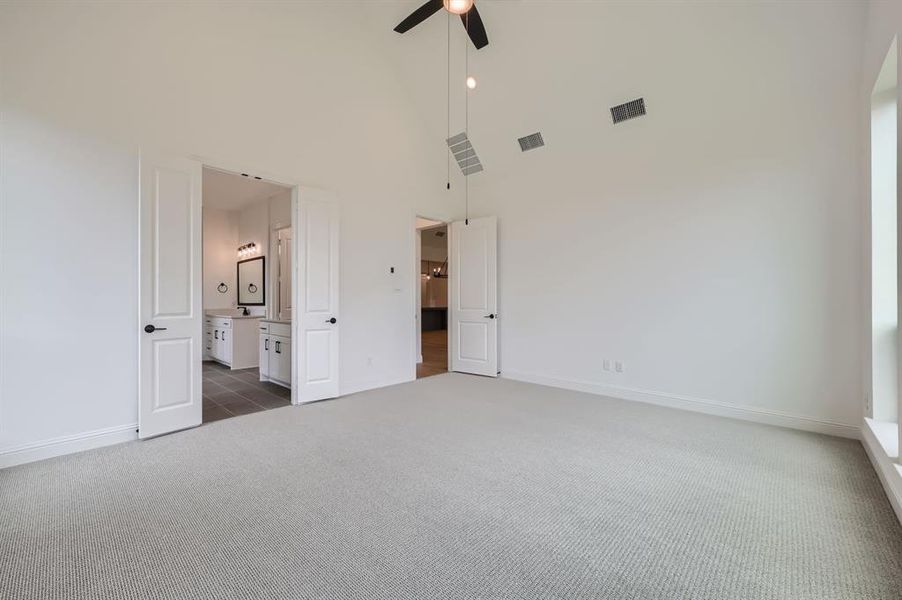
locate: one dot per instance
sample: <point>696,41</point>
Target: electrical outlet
<point>618,366</point>
<point>606,364</point>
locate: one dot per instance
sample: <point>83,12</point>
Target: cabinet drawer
<point>263,327</point>
<point>283,329</point>
<point>222,323</point>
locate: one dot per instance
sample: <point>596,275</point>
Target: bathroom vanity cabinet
<point>275,351</point>
<point>231,341</point>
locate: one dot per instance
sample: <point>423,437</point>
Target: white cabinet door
<point>264,357</point>
<point>473,329</point>
<point>280,358</point>
<point>225,338</point>
<point>208,342</point>
<point>217,344</point>
<point>171,348</point>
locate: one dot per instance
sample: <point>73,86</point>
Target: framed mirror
<point>252,282</point>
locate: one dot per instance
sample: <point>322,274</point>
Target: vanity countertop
<point>228,316</point>
<point>283,321</point>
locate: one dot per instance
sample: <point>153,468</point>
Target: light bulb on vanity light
<point>471,83</point>
<point>458,7</point>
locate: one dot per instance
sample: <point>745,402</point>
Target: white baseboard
<point>362,386</point>
<point>67,445</point>
<point>711,407</point>
<point>889,472</point>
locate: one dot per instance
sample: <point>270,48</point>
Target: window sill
<point>888,436</point>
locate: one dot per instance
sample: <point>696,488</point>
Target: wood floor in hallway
<point>435,354</point>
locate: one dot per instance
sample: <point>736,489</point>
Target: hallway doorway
<point>432,254</point>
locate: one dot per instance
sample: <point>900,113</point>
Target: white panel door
<point>171,348</point>
<point>316,339</point>
<point>473,327</point>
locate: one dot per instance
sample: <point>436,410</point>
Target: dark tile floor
<point>228,393</point>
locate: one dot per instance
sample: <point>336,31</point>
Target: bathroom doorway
<point>247,294</point>
<point>296,345</point>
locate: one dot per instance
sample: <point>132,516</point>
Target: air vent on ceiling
<point>531,141</point>
<point>629,110</point>
<point>464,154</point>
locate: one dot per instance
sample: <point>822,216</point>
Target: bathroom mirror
<point>252,282</point>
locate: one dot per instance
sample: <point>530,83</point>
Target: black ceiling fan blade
<point>474,26</point>
<point>420,15</point>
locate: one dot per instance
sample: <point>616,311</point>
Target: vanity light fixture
<point>247,250</point>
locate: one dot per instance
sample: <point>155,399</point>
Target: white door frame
<point>416,345</point>
<point>297,190</point>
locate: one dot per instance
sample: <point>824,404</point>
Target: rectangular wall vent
<point>629,110</point>
<point>531,142</point>
<point>464,154</point>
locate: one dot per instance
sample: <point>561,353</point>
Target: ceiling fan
<point>465,8</point>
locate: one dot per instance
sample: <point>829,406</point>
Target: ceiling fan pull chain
<point>448,83</point>
<point>467,116</point>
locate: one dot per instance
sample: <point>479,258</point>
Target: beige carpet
<point>455,487</point>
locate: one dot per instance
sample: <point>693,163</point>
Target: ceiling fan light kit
<point>458,7</point>
<point>466,9</point>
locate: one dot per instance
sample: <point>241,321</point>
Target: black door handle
<point>489,316</point>
<point>151,328</point>
<point>333,320</point>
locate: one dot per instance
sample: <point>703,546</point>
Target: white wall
<point>68,301</point>
<point>714,245</point>
<point>86,85</point>
<point>220,246</point>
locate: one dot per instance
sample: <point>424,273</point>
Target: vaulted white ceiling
<point>557,66</point>
<point>554,66</point>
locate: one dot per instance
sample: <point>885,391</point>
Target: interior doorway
<point>247,294</point>
<point>432,297</point>
<point>297,345</point>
